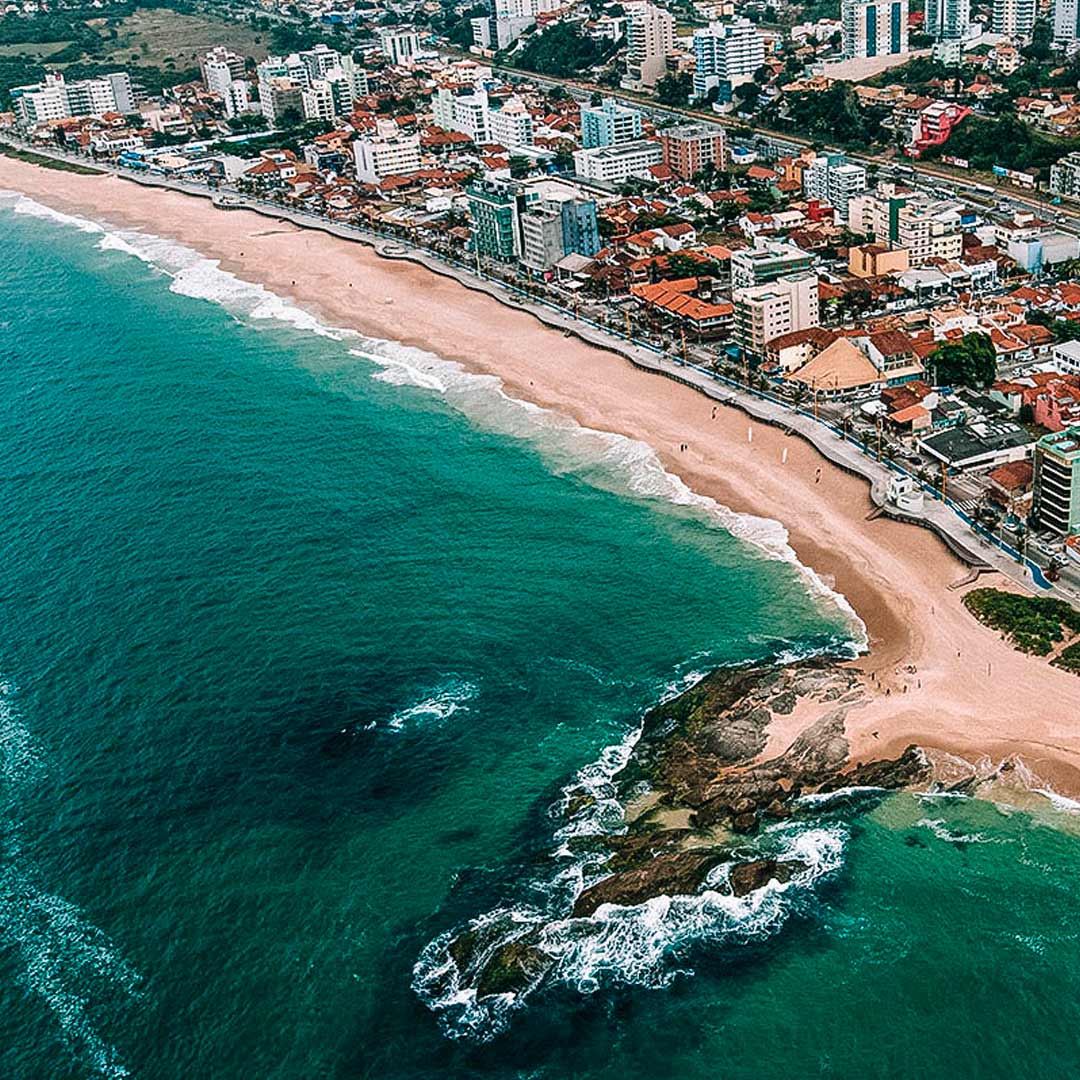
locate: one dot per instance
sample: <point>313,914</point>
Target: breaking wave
<point>647,945</point>
<point>64,959</point>
<point>606,459</point>
<point>439,703</point>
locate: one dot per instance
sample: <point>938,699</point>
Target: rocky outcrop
<point>748,877</point>
<point>700,757</point>
<point>678,873</point>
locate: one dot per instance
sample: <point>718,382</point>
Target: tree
<point>561,50</point>
<point>971,361</point>
<point>1041,37</point>
<point>291,118</point>
<point>749,93</point>
<point>675,89</point>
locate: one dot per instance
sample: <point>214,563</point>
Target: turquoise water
<point>300,638</point>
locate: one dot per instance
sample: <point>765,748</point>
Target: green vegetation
<point>834,115</point>
<point>561,50</point>
<point>1069,659</point>
<point>158,43</point>
<point>675,89</point>
<point>1033,624</point>
<point>1004,140</point>
<point>47,162</point>
<point>456,26</point>
<point>971,361</point>
<point>1062,329</point>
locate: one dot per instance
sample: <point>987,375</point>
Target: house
<point>840,370</point>
<point>687,302</point>
<point>1010,486</point>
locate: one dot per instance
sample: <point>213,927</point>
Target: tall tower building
<point>948,20</point>
<point>650,36</point>
<point>874,27</point>
<point>1016,18</point>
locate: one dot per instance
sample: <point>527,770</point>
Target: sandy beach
<point>970,694</point>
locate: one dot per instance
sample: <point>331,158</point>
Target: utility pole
<point>944,479</point>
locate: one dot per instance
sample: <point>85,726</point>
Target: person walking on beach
<point>817,476</point>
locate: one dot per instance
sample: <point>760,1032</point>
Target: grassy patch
<point>1033,624</point>
<point>158,37</point>
<point>35,50</point>
<point>47,162</point>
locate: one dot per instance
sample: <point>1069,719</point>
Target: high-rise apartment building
<point>833,179</point>
<point>764,312</point>
<point>386,153</point>
<point>1014,18</point>
<point>1056,499</point>
<point>650,37</point>
<point>689,148</point>
<point>56,99</point>
<point>608,124</point>
<point>874,27</point>
<point>1066,21</point>
<point>399,44</point>
<point>948,20</point>
<point>731,50</point>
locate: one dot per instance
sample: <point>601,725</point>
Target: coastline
<point>970,695</point>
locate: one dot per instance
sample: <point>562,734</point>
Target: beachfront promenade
<point>968,540</point>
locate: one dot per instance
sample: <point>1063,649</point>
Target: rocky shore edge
<point>697,804</point>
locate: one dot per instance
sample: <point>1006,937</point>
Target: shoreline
<point>970,694</point>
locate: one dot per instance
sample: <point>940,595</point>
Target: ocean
<point>302,638</point>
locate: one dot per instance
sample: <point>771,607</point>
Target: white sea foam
<point>1060,802</point>
<point>65,960</point>
<point>943,831</point>
<point>437,703</point>
<point>645,945</point>
<point>822,798</point>
<point>604,456</point>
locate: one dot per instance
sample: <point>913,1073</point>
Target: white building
<point>512,125</point>
<point>218,74</point>
<point>55,99</point>
<point>650,37</point>
<point>731,51</point>
<point>524,9</point>
<point>318,101</point>
<point>1065,176</point>
<point>948,19</point>
<point>1015,18</point>
<point>874,27</point>
<point>318,61</point>
<point>614,164</point>
<point>833,179</point>
<point>467,113</point>
<point>237,98</point>
<point>764,312</point>
<point>399,44</point>
<point>495,34</point>
<point>221,57</point>
<point>386,153</point>
<point>1066,21</point>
